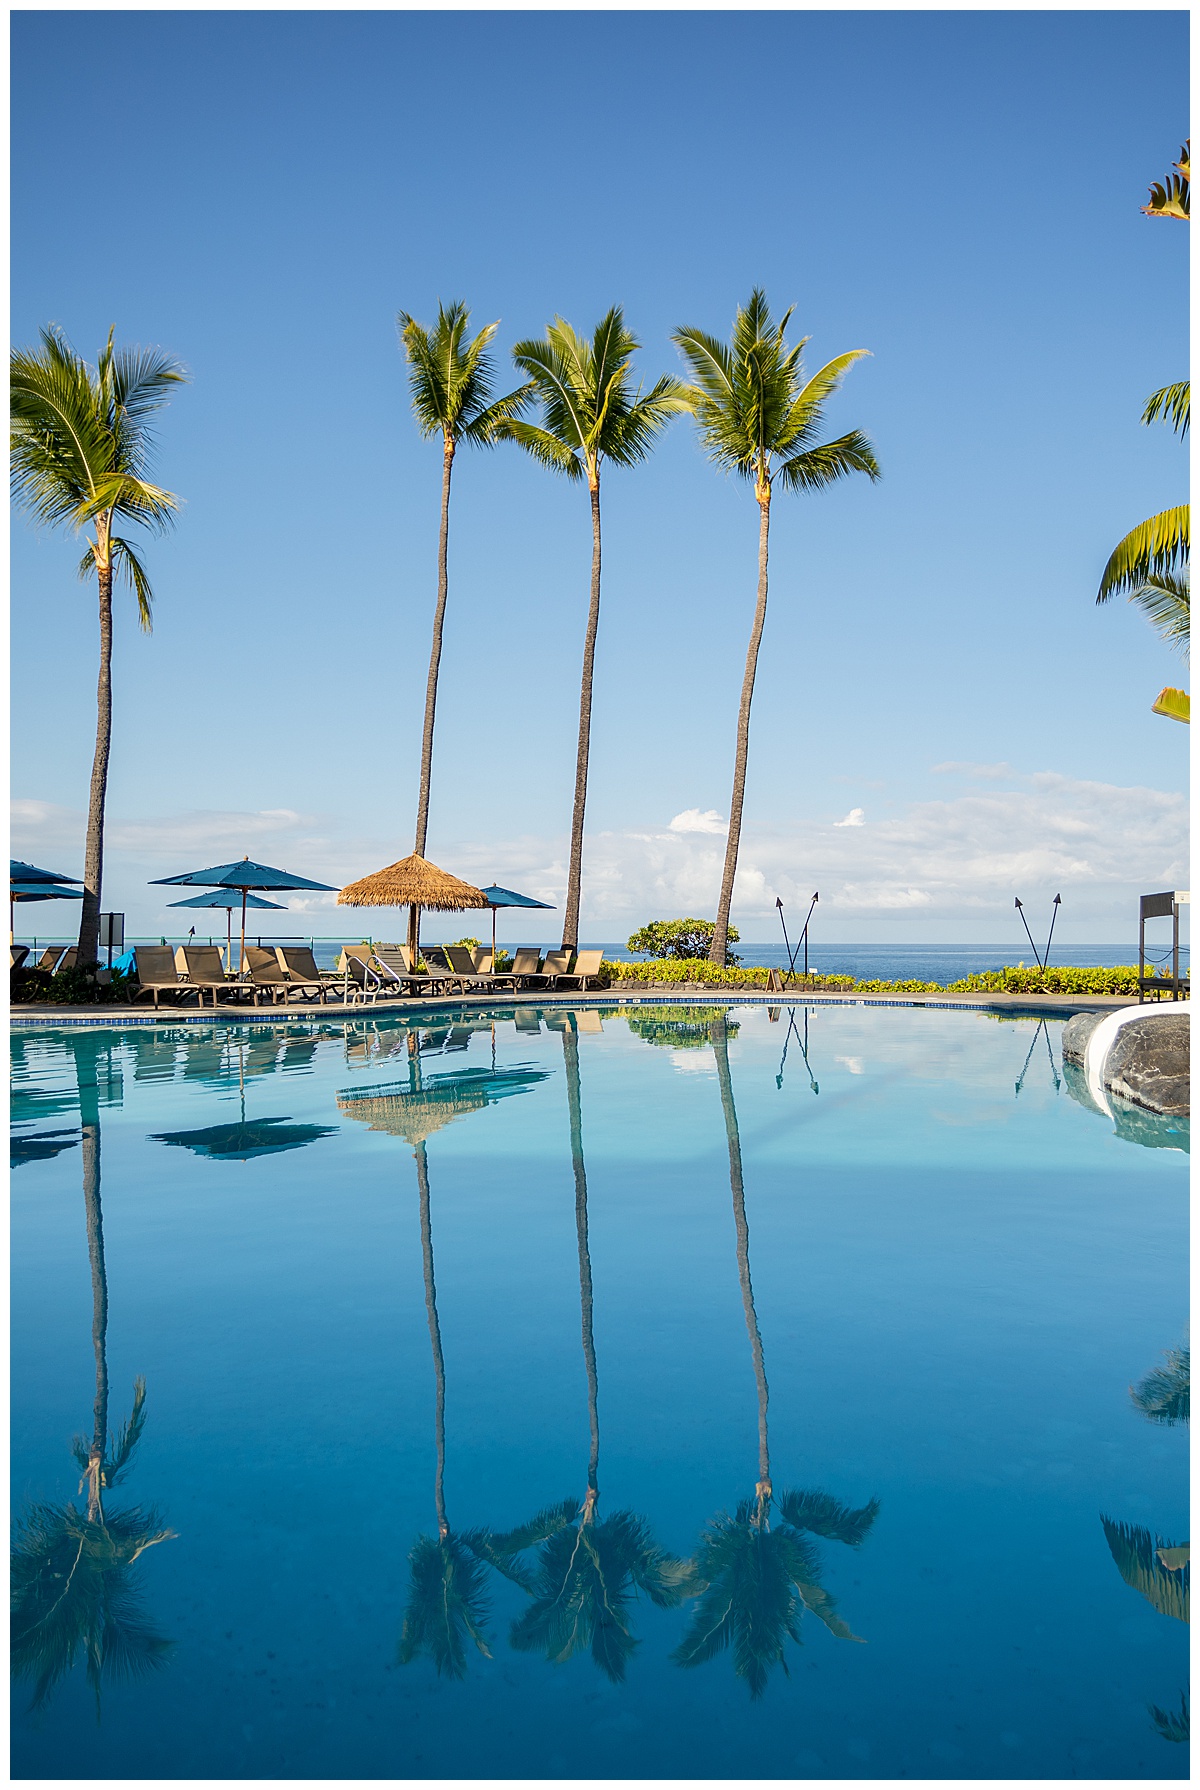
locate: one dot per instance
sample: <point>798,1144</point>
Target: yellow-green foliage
<point>1011,980</point>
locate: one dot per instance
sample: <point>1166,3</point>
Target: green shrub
<point>75,988</point>
<point>687,939</point>
<point>677,1027</point>
<point>1018,979</point>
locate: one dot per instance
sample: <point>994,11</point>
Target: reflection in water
<point>803,1043</point>
<point>677,1026</point>
<point>756,1579</point>
<point>590,1569</point>
<point>1043,1031</point>
<point>447,1595</point>
<point>74,1587</point>
<point>209,1060</point>
<point>1159,1569</point>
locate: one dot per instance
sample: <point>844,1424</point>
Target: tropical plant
<point>591,1568</point>
<point>1172,197</point>
<point>680,938</point>
<point>450,384</point>
<point>590,413</point>
<point>1150,565</point>
<point>81,449</point>
<point>756,1579</point>
<point>759,417</point>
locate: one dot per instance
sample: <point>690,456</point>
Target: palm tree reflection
<point>756,1579</point>
<point>448,1602</point>
<point>590,1568</point>
<point>74,1585</point>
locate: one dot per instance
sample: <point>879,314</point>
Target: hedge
<point>1017,979</point>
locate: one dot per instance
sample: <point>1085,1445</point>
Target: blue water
<point>900,1255</point>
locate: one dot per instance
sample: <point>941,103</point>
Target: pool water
<point>660,1391</point>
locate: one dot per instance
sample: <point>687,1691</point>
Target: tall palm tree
<point>590,1568</point>
<point>81,449</point>
<point>756,1578</point>
<point>759,417</point>
<point>73,1585</point>
<point>450,384</point>
<point>590,413</point>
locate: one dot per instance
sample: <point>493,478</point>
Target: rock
<point>1075,1035</point>
<point>1075,1077</point>
<point>1154,1131</point>
<point>1148,1064</point>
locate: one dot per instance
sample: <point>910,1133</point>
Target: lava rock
<point>1075,1035</point>
<point>1149,1064</point>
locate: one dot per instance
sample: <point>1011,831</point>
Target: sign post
<point>112,934</point>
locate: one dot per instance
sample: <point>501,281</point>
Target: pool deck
<point>1039,1006</point>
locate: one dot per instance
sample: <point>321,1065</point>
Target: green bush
<point>75,988</point>
<point>678,1027</point>
<point>1018,979</point>
<point>687,939</point>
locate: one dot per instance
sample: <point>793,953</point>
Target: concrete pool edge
<point>1014,1005</point>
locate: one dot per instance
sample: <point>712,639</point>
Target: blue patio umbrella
<point>498,897</point>
<point>244,874</point>
<point>228,899</point>
<point>27,883</point>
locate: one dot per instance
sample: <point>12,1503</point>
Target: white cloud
<point>946,864</point>
<point>856,818</point>
<point>696,820</point>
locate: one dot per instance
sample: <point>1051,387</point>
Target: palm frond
<point>126,560</point>
<point>1135,1552</point>
<point>1176,705</point>
<point>447,1605</point>
<point>450,377</point>
<point>1165,1395</point>
<point>1173,1724</point>
<point>589,405</point>
<point>1165,601</point>
<point>1156,548</point>
<point>1174,404</point>
<point>814,468</point>
<point>542,445</point>
<point>1172,197</point>
<point>121,1448</point>
<point>822,1515</point>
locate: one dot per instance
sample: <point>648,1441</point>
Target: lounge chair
<point>154,967</point>
<point>588,1020</point>
<point>47,963</point>
<point>463,965</point>
<point>526,963</point>
<point>585,969</point>
<point>483,958</point>
<point>203,968</point>
<point>298,962</point>
<point>526,1019</point>
<point>67,960</point>
<point>16,956</point>
<point>557,964</point>
<point>396,959</point>
<point>265,973</point>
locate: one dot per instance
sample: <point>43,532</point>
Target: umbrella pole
<point>243,965</point>
<point>229,941</point>
<point>493,941</point>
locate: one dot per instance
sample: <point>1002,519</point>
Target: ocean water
<point>642,1391</point>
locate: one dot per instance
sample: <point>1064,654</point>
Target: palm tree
<point>1172,197</point>
<point>759,417</point>
<point>590,413</point>
<point>1151,565</point>
<point>81,448</point>
<point>755,1579</point>
<point>590,1569</point>
<point>73,1584</point>
<point>450,384</point>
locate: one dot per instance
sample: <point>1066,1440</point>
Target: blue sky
<point>956,192</point>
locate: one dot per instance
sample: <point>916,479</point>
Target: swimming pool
<point>586,1355</point>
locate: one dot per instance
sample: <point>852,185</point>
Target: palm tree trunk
<point>721,933</point>
<point>89,1116</point>
<point>570,936</point>
<point>571,1060</point>
<point>435,657</point>
<point>435,1338</point>
<point>93,862</point>
<point>733,1138</point>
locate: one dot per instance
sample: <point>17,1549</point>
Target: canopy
<point>498,897</point>
<point>20,872</point>
<point>42,892</point>
<point>229,899</point>
<point>414,883</point>
<point>243,874</point>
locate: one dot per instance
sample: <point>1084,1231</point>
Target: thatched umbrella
<point>413,883</point>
